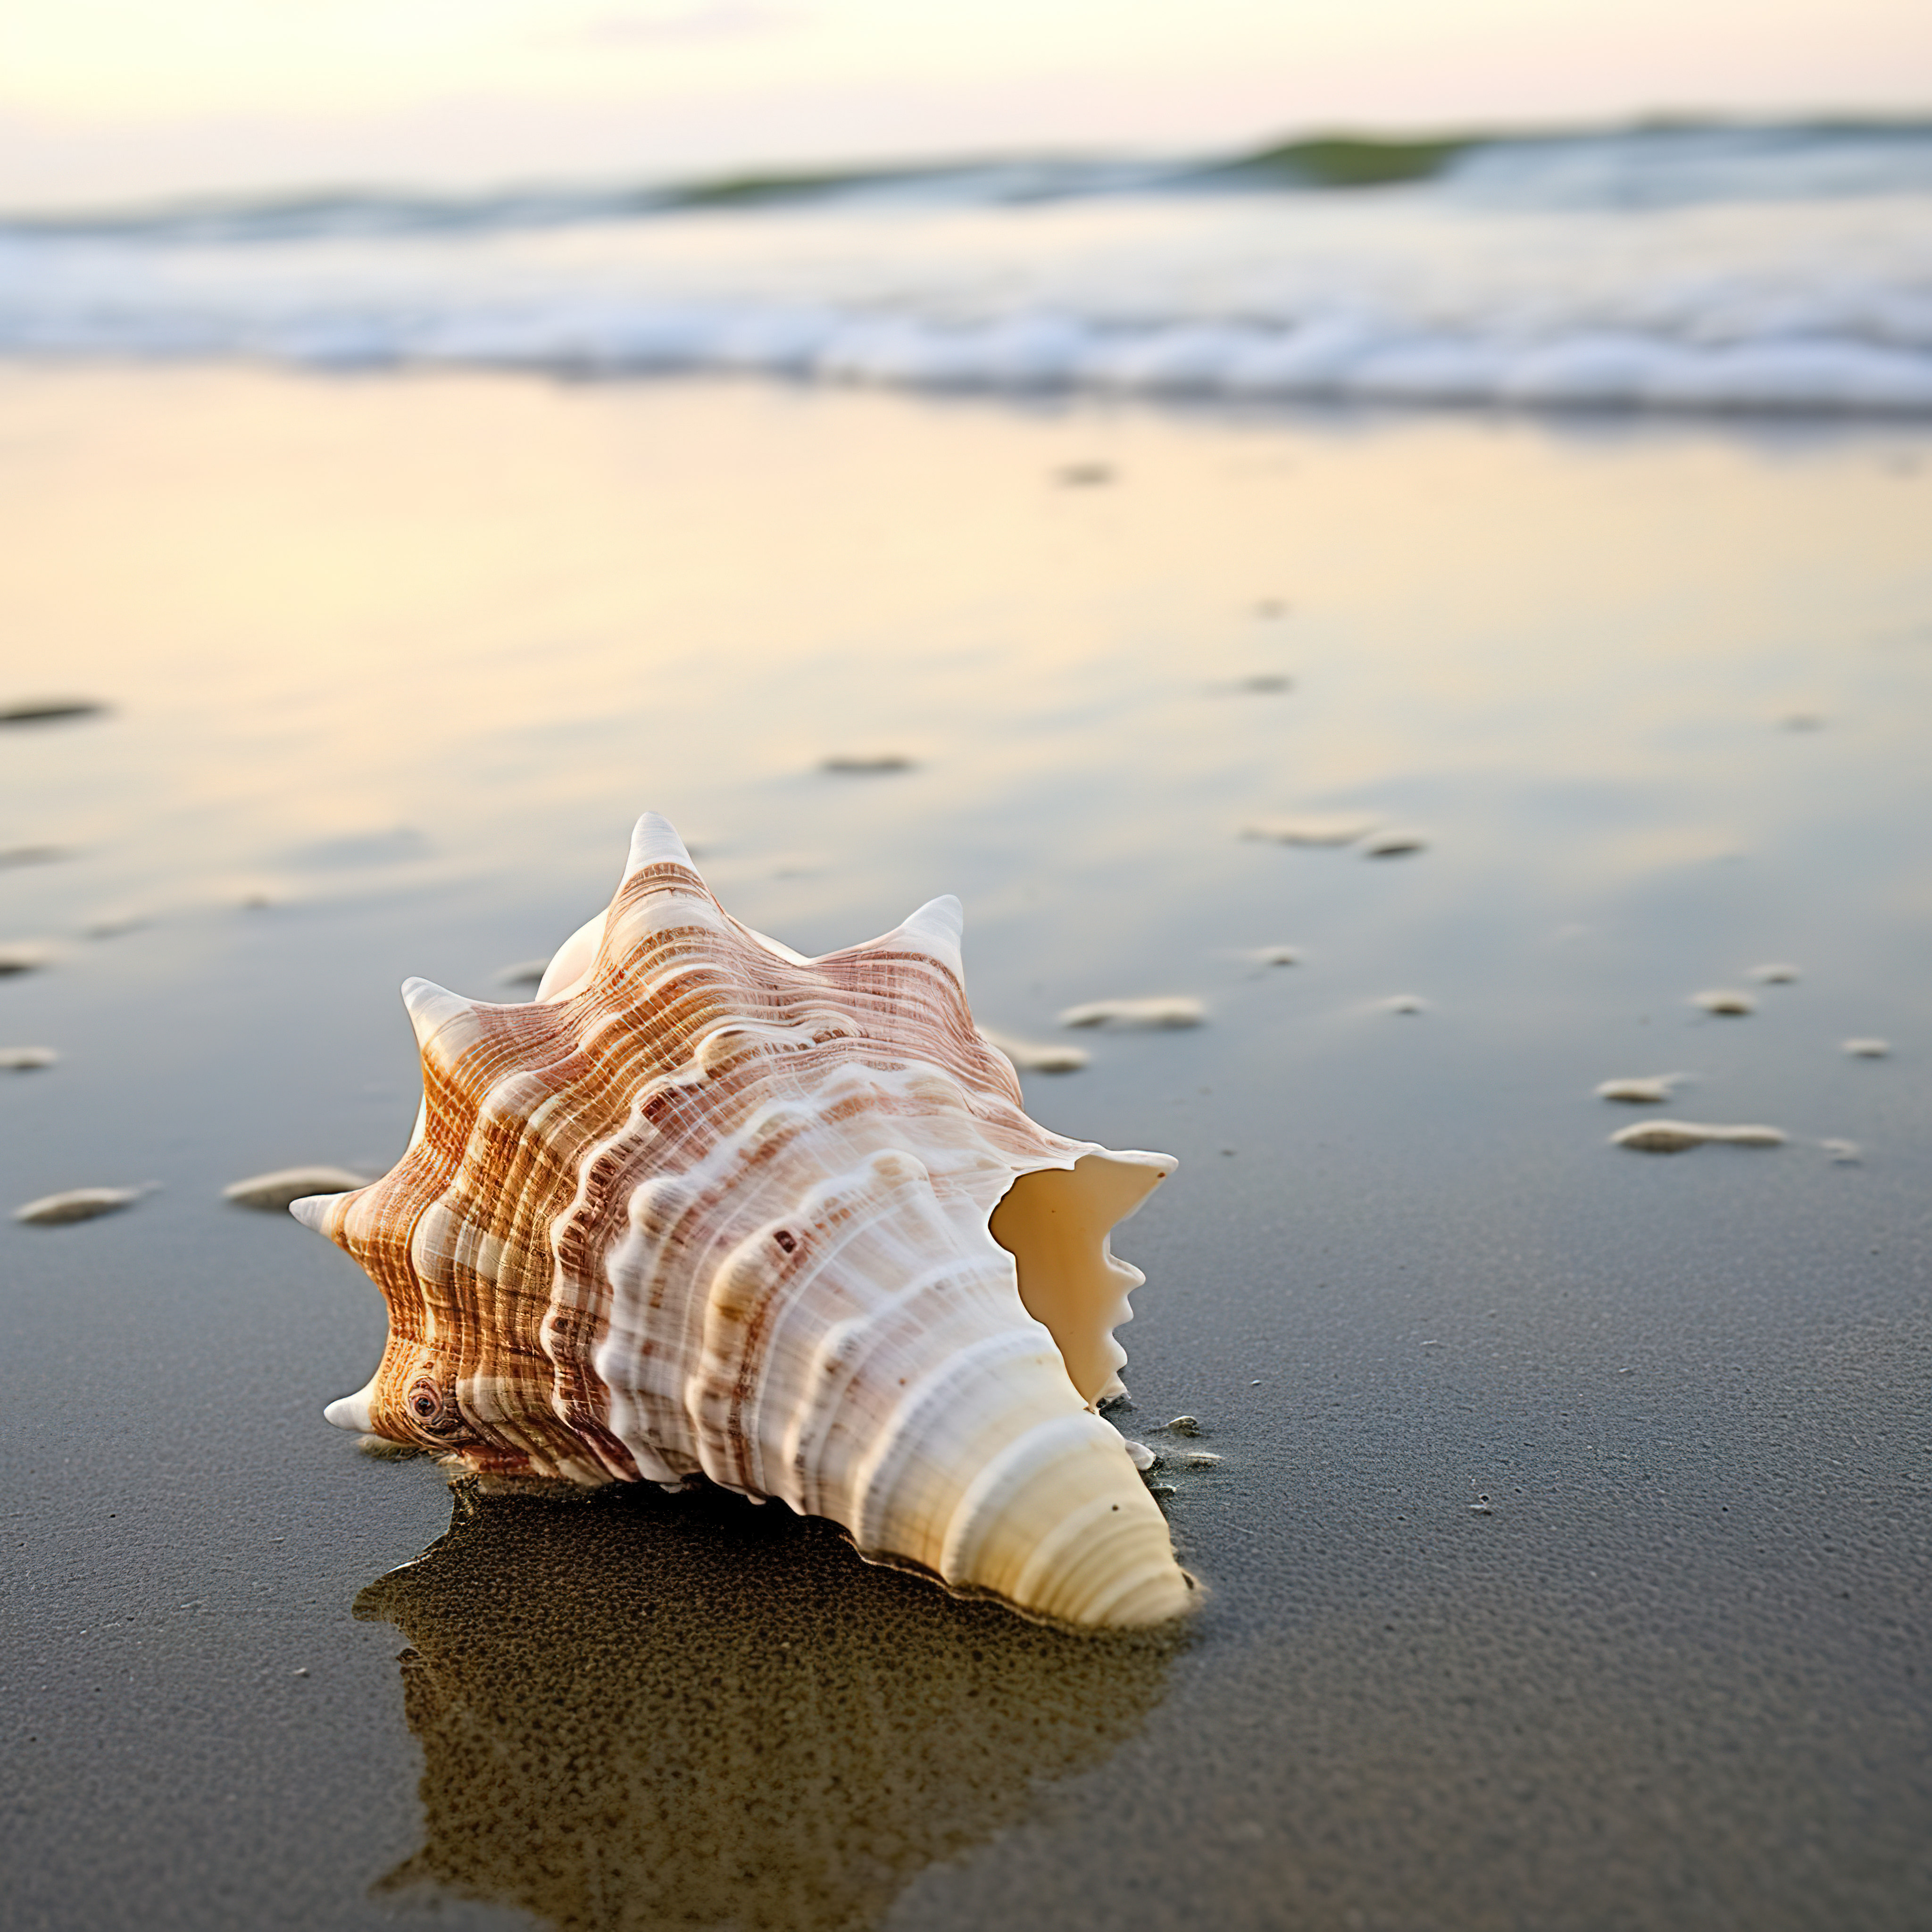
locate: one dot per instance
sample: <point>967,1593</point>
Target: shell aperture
<point>705,1206</point>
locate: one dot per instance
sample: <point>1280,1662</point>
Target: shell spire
<point>706,1207</point>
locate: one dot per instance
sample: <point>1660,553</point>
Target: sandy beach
<point>1566,1561</point>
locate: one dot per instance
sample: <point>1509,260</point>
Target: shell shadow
<point>638,1710</point>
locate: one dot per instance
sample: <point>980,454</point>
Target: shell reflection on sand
<point>637,1710</point>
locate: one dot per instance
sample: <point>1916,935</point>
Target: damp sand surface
<point>1563,1560</point>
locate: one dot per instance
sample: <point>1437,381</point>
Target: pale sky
<point>131,98</point>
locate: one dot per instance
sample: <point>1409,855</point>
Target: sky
<point>107,100</point>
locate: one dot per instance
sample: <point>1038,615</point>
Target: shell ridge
<point>980,1507</point>
<point>1023,1341</point>
<point>828,1231</point>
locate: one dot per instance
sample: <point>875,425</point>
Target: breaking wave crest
<point>1672,268</point>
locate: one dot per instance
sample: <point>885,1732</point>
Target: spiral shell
<point>705,1206</point>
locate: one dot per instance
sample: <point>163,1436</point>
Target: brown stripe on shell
<point>615,1072</point>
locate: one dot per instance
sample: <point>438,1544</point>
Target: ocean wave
<point>1359,360</point>
<point>1664,164</point>
<point>1511,274</point>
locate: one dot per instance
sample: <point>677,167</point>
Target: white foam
<point>1654,271</point>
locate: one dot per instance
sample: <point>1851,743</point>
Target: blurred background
<point>108,100</point>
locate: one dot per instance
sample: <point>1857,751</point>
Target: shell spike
<point>318,1210</point>
<point>353,1411</point>
<point>434,1010</point>
<point>936,928</point>
<point>654,841</point>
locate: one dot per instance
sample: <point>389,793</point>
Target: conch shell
<point>707,1206</point>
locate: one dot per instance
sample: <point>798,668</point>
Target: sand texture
<point>1565,1557</point>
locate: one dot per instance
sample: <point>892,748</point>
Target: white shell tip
<point>348,1411</point>
<point>431,1008</point>
<point>312,1209</point>
<point>654,841</point>
<point>937,926</point>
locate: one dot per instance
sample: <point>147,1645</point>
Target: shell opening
<point>1055,1223</point>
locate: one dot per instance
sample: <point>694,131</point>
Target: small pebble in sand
<point>1405,1003</point>
<point>1201,1459</point>
<point>116,924</point>
<point>26,1059</point>
<point>1032,1056</point>
<point>1639,1089</point>
<point>1184,1425</point>
<point>1482,1506</point>
<point>525,972</point>
<point>1394,845</point>
<point>1084,476</point>
<point>1316,828</point>
<point>1844,1153</point>
<point>1725,1000</point>
<point>77,1204</point>
<point>22,957</point>
<point>1778,974</point>
<point>44,710</point>
<point>1868,1049</point>
<point>1158,1013</point>
<point>1140,1455</point>
<point>1676,1136</point>
<point>270,1193</point>
<point>867,764</point>
<point>1160,1488</point>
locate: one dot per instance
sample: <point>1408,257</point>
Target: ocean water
<point>1675,268</point>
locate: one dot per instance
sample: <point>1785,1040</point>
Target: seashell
<point>78,1203</point>
<point>27,956</point>
<point>867,764</point>
<point>1639,1089</point>
<point>1159,1013</point>
<point>11,856</point>
<point>26,1059</point>
<point>1317,828</point>
<point>1394,845</point>
<point>1725,1000</point>
<point>706,1207</point>
<point>273,1193</point>
<point>46,710</point>
<point>1030,1056</point>
<point>1678,1136</point>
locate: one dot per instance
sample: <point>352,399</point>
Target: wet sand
<point>1567,1558</point>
